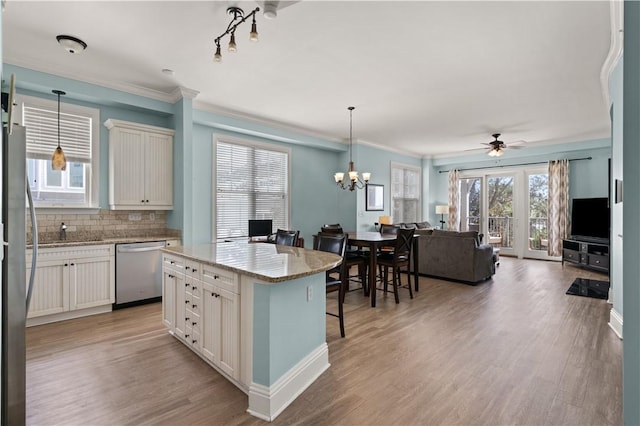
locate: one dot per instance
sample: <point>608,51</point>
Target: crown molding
<point>127,88</point>
<point>181,92</point>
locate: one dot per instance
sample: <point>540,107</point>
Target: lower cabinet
<point>72,279</point>
<point>201,306</point>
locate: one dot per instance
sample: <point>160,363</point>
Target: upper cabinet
<point>140,166</point>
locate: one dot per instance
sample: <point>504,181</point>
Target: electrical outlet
<point>135,216</point>
<point>309,293</point>
<point>152,216</point>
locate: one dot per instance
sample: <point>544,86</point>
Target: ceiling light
<point>71,44</point>
<point>58,160</point>
<point>270,9</point>
<point>238,18</point>
<point>355,181</point>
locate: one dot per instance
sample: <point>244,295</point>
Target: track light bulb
<point>253,35</point>
<point>232,43</point>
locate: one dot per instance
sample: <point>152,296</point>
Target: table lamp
<point>442,210</point>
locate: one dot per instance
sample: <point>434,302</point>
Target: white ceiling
<point>428,78</point>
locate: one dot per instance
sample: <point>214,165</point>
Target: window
<point>79,137</point>
<point>252,182</point>
<point>405,193</point>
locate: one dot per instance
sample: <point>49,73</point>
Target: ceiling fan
<point>497,147</point>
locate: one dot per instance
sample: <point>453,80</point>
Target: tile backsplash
<point>105,224</point>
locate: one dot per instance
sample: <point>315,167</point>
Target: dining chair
<point>335,243</point>
<point>354,257</point>
<point>287,238</point>
<point>399,258</point>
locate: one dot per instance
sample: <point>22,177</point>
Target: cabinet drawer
<point>194,288</point>
<point>221,278</point>
<point>193,304</point>
<point>599,261</point>
<point>570,255</point>
<point>192,320</point>
<point>173,262</point>
<point>192,269</point>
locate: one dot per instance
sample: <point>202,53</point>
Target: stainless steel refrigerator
<point>14,309</point>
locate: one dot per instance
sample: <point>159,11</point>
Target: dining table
<point>375,240</point>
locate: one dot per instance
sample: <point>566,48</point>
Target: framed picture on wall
<point>374,197</point>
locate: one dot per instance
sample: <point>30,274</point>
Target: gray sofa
<point>454,255</point>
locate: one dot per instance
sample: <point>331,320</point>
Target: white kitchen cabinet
<point>140,166</point>
<point>72,279</point>
<point>206,310</point>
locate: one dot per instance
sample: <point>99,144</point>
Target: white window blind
<point>42,134</point>
<point>405,193</point>
<point>252,183</point>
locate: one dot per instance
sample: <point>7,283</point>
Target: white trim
<point>111,123</point>
<point>267,402</point>
<point>246,329</point>
<point>62,316</point>
<point>615,322</point>
<point>92,173</point>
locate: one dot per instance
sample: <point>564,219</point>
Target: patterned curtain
<point>558,205</point>
<point>454,197</point>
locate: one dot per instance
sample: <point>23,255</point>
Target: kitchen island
<point>253,311</point>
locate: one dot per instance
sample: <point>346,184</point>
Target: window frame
<point>403,166</point>
<point>214,176</point>
<point>92,169</point>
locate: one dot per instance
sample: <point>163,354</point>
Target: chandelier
<point>238,18</point>
<point>354,179</point>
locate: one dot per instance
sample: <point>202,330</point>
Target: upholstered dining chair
<point>336,278</point>
<point>399,258</point>
<point>287,238</point>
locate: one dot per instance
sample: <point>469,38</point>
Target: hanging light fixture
<point>58,160</point>
<point>238,18</point>
<point>354,179</point>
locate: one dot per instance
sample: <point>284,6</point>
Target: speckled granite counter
<point>268,262</point>
<point>118,240</point>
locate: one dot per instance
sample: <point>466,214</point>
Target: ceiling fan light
<point>499,153</point>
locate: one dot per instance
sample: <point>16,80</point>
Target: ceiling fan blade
<point>518,142</point>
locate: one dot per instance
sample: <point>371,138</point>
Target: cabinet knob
<point>215,277</point>
<point>194,323</point>
<point>172,262</point>
<point>194,287</point>
<point>171,276</point>
<point>194,306</point>
<point>186,302</point>
<point>73,264</point>
<point>186,267</point>
<point>194,270</point>
<point>66,264</point>
<point>186,284</point>
<point>187,319</point>
<point>142,201</point>
<point>194,341</point>
<point>146,201</point>
<point>186,336</point>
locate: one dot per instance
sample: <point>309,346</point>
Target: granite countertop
<point>116,240</point>
<point>268,262</point>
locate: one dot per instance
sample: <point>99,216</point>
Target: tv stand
<point>588,254</point>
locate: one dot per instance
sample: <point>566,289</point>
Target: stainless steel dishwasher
<point>138,273</point>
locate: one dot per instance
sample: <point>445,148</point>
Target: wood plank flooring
<point>513,350</point>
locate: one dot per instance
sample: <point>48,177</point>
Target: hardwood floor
<point>513,350</point>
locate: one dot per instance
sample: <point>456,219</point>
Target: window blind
<point>405,193</point>
<point>252,183</point>
<point>42,134</point>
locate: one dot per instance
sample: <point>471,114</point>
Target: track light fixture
<point>238,18</point>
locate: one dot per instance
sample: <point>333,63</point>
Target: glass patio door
<point>537,182</point>
<point>500,224</point>
<point>471,204</point>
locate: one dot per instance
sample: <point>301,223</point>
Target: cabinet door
<point>126,167</point>
<point>50,294</point>
<point>220,324</point>
<point>89,282</point>
<point>168,298</point>
<point>229,337</point>
<point>158,189</point>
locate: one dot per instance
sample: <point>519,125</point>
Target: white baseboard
<point>62,316</point>
<point>267,402</point>
<point>615,322</point>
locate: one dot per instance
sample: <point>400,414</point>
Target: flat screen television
<point>590,219</point>
<point>260,227</point>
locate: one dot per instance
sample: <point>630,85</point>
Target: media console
<point>588,254</point>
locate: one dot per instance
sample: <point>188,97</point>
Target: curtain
<point>454,197</point>
<point>558,205</point>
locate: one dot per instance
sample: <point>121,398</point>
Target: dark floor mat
<point>589,288</point>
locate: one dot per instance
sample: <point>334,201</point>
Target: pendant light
<point>354,180</point>
<point>58,160</point>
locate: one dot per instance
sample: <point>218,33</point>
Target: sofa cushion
<point>457,234</point>
<point>423,225</point>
